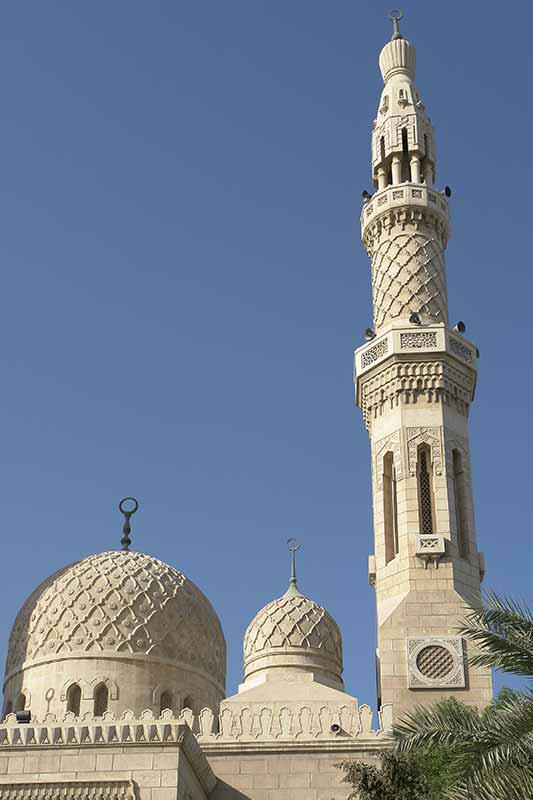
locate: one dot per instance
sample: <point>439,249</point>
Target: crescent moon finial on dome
<point>293,545</point>
<point>128,513</point>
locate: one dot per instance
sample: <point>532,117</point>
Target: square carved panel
<point>436,662</point>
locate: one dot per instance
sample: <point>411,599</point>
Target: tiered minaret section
<point>415,381</point>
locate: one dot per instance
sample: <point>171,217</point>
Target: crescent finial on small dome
<point>128,513</point>
<point>294,546</point>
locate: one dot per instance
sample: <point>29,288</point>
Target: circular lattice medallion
<point>435,662</point>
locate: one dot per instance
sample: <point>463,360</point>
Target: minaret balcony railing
<point>408,340</point>
<point>401,195</point>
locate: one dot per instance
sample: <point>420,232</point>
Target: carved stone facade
<point>123,619</point>
<point>408,273</point>
<point>436,662</point>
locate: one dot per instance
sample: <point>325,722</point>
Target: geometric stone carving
<point>436,662</point>
<point>430,436</point>
<point>294,621</point>
<point>408,273</point>
<point>71,789</point>
<point>430,548</point>
<point>401,382</point>
<point>418,340</point>
<point>461,350</point>
<point>389,444</point>
<point>119,603</point>
<point>374,353</point>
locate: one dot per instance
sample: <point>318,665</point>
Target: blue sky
<point>184,284</point>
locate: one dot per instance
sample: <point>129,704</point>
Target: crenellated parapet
<point>298,722</point>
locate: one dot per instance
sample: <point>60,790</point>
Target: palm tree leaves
<point>502,629</point>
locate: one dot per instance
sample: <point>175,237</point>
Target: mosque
<point>114,683</point>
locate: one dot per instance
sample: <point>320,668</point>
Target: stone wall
<point>286,774</point>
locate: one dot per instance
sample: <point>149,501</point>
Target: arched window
<point>20,705</point>
<point>425,491</point>
<point>188,703</point>
<point>101,699</point>
<point>165,702</point>
<point>9,708</point>
<point>74,699</point>
<point>461,515</point>
<point>390,508</point>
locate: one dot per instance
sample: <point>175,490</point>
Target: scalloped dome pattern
<point>293,620</point>
<point>119,603</point>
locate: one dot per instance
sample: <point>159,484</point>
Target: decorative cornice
<point>399,381</point>
<point>12,789</point>
<point>401,205</point>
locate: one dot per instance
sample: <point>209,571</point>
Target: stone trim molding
<point>291,722</point>
<point>71,732</point>
<point>402,382</point>
<point>444,654</point>
<point>67,790</point>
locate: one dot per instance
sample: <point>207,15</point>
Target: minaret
<point>415,380</point>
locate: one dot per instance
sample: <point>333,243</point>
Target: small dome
<point>119,607</point>
<point>293,632</point>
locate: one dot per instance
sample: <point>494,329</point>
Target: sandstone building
<point>115,676</point>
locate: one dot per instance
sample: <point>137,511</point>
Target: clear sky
<point>184,284</point>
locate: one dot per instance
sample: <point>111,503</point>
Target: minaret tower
<point>415,380</point>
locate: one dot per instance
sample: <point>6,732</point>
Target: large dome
<point>290,632</point>
<point>119,607</point>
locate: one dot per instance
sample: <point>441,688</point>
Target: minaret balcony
<point>405,339</point>
<point>398,196</point>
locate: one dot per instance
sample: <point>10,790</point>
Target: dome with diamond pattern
<point>123,617</point>
<point>293,633</point>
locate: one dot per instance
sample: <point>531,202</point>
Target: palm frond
<point>447,722</point>
<point>502,629</point>
<point>508,782</point>
<point>491,753</point>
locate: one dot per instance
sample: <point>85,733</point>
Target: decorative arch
<point>86,690</point>
<point>110,684</point>
<point>390,444</point>
<point>74,699</point>
<point>424,436</point>
<point>163,697</point>
<point>101,700</point>
<point>188,702</point>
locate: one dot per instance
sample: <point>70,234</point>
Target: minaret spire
<point>415,380</point>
